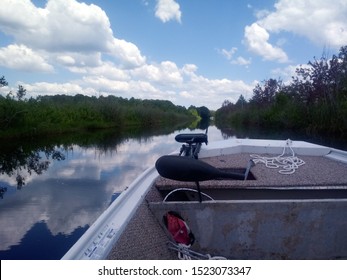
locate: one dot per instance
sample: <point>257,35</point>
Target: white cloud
<point>106,69</point>
<point>261,13</point>
<point>66,26</point>
<point>14,17</point>
<point>241,61</point>
<point>74,59</point>
<point>45,88</point>
<point>20,57</point>
<point>166,72</point>
<point>189,69</point>
<point>288,72</point>
<point>128,53</point>
<point>323,22</point>
<point>229,55</point>
<point>167,10</point>
<point>106,85</point>
<point>256,39</point>
<point>63,25</point>
<point>212,92</point>
<point>66,60</point>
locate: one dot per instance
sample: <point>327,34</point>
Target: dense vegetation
<point>61,113</point>
<point>314,101</point>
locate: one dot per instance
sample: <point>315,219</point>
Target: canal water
<point>51,193</point>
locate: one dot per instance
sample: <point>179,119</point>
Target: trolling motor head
<point>191,138</point>
<point>193,142</point>
<point>188,169</point>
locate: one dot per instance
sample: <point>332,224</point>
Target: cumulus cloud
<point>201,90</point>
<point>20,57</point>
<point>66,26</point>
<point>106,69</point>
<point>185,86</point>
<point>14,17</point>
<point>166,72</point>
<point>45,88</point>
<point>128,53</point>
<point>189,69</point>
<point>256,39</point>
<point>61,26</point>
<point>322,22</point>
<point>167,10</point>
<point>77,59</point>
<point>229,55</point>
<point>66,60</point>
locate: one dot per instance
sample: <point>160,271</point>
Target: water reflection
<point>19,163</point>
<point>2,191</point>
<point>67,186</point>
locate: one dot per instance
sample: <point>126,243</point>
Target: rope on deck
<point>287,163</point>
<point>185,253</point>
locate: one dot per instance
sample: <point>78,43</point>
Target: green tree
<point>204,112</point>
<point>21,92</point>
<point>3,82</point>
<point>265,94</point>
<point>241,102</point>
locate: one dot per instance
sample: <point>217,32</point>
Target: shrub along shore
<point>315,100</point>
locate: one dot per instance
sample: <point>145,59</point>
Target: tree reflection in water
<point>2,191</point>
<point>17,162</point>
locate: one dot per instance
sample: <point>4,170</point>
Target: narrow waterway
<point>51,194</point>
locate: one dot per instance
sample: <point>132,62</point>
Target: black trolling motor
<point>188,169</point>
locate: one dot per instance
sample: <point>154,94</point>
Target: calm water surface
<point>43,215</point>
<point>51,195</point>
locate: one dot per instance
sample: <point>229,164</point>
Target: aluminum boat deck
<point>319,178</point>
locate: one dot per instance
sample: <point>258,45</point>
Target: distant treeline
<point>63,113</point>
<point>314,101</point>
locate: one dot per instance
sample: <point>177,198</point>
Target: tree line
<point>315,100</point>
<point>42,115</point>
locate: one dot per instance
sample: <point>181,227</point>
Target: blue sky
<point>197,52</point>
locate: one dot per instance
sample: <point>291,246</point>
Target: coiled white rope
<point>185,253</point>
<point>287,163</point>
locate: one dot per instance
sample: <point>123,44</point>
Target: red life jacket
<point>179,229</point>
